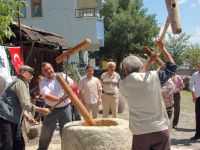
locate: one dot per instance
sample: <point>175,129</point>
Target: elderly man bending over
<point>148,118</point>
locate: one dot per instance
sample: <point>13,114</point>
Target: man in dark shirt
<point>14,101</point>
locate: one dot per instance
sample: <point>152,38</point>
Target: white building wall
<point>59,17</point>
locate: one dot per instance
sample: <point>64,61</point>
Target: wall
<point>185,72</point>
<point>59,17</point>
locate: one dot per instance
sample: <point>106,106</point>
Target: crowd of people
<point>153,99</point>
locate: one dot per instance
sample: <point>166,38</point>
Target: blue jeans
<point>60,115</point>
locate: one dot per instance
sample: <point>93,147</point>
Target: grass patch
<point>186,101</point>
<point>186,93</point>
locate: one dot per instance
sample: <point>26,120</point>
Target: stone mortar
<point>109,134</point>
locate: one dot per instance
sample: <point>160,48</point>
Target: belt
<point>47,106</point>
<point>110,93</point>
<point>169,108</point>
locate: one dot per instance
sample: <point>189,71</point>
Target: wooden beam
<point>167,22</point>
<point>29,54</point>
<point>149,53</point>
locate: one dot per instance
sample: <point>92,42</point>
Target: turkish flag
<point>16,56</point>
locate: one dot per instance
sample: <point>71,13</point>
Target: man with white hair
<point>110,82</point>
<point>148,118</point>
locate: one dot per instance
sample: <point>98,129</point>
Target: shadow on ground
<point>184,130</point>
<point>182,142</point>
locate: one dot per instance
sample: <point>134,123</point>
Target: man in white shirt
<point>148,118</point>
<point>90,91</point>
<point>53,93</point>
<point>195,90</point>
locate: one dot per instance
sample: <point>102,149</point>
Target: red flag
<point>16,56</point>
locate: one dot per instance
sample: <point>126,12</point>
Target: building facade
<point>75,20</point>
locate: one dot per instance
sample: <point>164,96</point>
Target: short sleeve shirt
<point>90,89</point>
<point>52,86</point>
<point>195,83</point>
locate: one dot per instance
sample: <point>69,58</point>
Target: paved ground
<point>186,127</point>
<point>180,136</point>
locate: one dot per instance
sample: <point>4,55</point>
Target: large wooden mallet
<point>149,53</point>
<point>73,50</point>
<point>77,103</point>
<point>174,15</point>
<point>157,50</point>
<point>51,108</point>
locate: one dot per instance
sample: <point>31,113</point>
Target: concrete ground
<point>180,136</point>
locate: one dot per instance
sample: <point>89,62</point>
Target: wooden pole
<point>54,106</point>
<point>19,25</point>
<point>77,103</point>
<point>73,50</point>
<point>167,22</point>
<point>149,53</point>
<point>29,54</point>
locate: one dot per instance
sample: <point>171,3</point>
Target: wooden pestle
<point>149,52</point>
<point>77,103</point>
<point>73,50</point>
<point>174,15</point>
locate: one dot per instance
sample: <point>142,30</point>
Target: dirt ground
<point>179,136</point>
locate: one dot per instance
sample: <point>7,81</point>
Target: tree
<point>127,29</point>
<point>177,44</point>
<point>191,56</point>
<point>8,12</point>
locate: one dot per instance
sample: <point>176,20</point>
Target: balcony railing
<point>87,13</point>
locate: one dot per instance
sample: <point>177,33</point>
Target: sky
<point>189,12</point>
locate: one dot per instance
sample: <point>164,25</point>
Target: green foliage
<point>177,44</point>
<point>127,29</point>
<point>191,56</point>
<point>72,71</point>
<point>8,11</point>
<point>8,14</point>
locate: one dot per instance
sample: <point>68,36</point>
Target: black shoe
<point>195,137</point>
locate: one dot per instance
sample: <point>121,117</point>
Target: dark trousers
<point>169,112</point>
<point>62,116</point>
<point>39,116</point>
<point>197,115</point>
<point>177,99</point>
<point>10,136</point>
<point>152,141</point>
<point>75,114</point>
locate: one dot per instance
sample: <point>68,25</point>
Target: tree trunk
<point>118,62</point>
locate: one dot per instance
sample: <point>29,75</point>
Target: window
<point>86,13</point>
<point>36,8</point>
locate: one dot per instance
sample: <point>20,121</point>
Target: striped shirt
<point>110,83</point>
